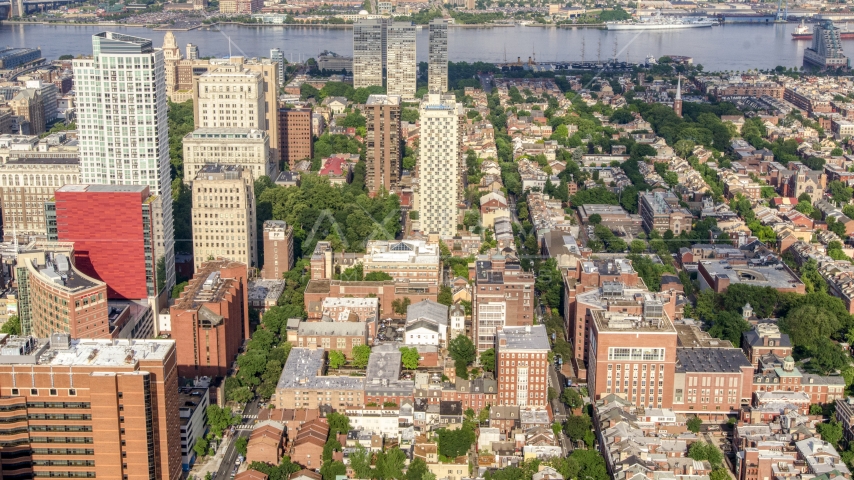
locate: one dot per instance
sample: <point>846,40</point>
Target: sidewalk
<point>211,464</point>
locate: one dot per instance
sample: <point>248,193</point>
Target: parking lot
<point>389,330</point>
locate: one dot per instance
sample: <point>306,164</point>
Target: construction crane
<point>782,12</point>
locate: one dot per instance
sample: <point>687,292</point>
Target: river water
<point>726,47</point>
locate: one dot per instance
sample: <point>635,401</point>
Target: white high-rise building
<point>437,67</point>
<point>368,52</point>
<point>122,129</point>
<point>278,56</point>
<point>401,67</point>
<point>440,163</point>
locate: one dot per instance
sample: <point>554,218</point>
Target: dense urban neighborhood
<point>371,267</point>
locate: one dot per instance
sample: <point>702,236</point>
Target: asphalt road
<point>227,465</point>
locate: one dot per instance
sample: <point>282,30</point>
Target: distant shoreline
<point>345,26</point>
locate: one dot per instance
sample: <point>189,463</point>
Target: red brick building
<point>307,449</point>
<point>765,339</point>
<point>90,409</point>
<point>385,291</point>
<point>632,352</point>
<point>295,136</point>
<point>210,320</point>
<point>711,382</point>
<point>521,366</point>
<point>266,444</point>
<point>112,229</point>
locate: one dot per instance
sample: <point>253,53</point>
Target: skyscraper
<point>437,69</point>
<point>122,129</point>
<point>240,94</point>
<point>440,158</point>
<point>230,233</point>
<point>401,67</point>
<point>368,52</point>
<point>382,143</point>
<point>278,56</point>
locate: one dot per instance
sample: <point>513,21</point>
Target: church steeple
<point>677,102</point>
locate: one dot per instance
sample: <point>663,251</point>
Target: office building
<point>632,346</point>
<point>57,297</point>
<point>10,58</point>
<point>383,155</point>
<point>441,166</point>
<point>277,56</point>
<point>252,91</point>
<point>522,366</point>
<point>296,142</point>
<point>593,276</point>
<point>93,408</point>
<point>25,184</point>
<point>224,215</point>
<point>660,211</point>
<point>368,52</point>
<point>111,229</point>
<point>332,62</point>
<point>28,106</point>
<point>437,66</point>
<point>193,404</point>
<point>401,64</point>
<point>229,96</point>
<point>246,147</point>
<point>503,297</point>
<point>210,320</point>
<point>123,131</point>
<point>278,248</point>
<point>48,93</point>
<point>192,52</point>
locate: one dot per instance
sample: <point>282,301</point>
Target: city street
<point>250,413</point>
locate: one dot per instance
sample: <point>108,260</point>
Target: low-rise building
<point>302,384</point>
<point>661,212</point>
<point>340,336</point>
<point>720,274</point>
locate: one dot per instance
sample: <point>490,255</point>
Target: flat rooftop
<point>42,161</point>
<point>523,338</point>
<point>383,100</point>
<point>266,289</point>
<point>103,188</point>
<point>383,366</point>
<point>303,368</point>
<point>206,286</point>
<point>719,360</point>
<point>341,329</point>
<point>83,352</point>
<point>349,302</point>
<point>690,335</point>
<point>617,322</point>
<point>774,276</point>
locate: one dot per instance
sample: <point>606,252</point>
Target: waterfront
<point>726,47</point>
